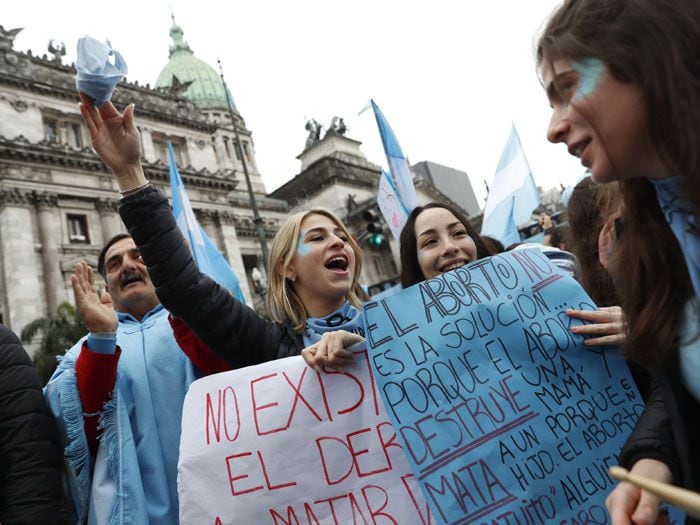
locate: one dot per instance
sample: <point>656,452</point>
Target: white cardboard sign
<point>280,443</point>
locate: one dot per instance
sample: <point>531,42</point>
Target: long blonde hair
<point>283,301</point>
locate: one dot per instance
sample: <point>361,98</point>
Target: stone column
<point>149,151</point>
<point>225,160</point>
<point>219,154</point>
<point>207,220</point>
<point>110,222</point>
<point>46,204</point>
<point>62,133</point>
<point>23,301</point>
<point>232,251</point>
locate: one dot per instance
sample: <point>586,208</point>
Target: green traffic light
<point>376,240</point>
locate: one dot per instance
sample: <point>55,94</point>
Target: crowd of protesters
<point>623,81</point>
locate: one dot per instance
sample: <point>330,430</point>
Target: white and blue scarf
<point>347,318</point>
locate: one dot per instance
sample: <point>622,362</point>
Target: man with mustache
<point>125,381</point>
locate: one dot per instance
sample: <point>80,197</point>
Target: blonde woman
<point>314,265</point>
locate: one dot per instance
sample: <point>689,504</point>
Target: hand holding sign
<point>608,325</point>
<point>280,443</point>
<point>332,350</point>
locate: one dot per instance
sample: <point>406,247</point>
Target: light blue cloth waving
<point>97,75</point>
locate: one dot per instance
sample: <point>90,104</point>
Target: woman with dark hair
<point>438,238</point>
<point>592,209</point>
<point>435,239</point>
<point>588,209</point>
<point>623,78</point>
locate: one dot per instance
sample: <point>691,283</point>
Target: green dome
<point>206,90</point>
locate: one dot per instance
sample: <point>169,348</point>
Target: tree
<point>58,333</point>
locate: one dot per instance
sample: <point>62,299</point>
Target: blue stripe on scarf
<point>347,318</point>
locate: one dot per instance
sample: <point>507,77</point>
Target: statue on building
<point>351,203</point>
<point>338,126</point>
<point>177,87</point>
<point>314,129</point>
<point>7,37</point>
<point>57,49</point>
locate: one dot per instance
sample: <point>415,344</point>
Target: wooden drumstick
<point>684,499</point>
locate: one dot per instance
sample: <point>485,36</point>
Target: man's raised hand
<point>96,312</point>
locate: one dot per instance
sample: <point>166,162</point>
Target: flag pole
<point>257,220</point>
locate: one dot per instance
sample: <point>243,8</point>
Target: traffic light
<point>372,219</point>
<point>376,238</point>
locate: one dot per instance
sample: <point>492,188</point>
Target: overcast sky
<point>450,76</point>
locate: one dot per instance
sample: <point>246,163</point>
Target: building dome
<point>206,90</point>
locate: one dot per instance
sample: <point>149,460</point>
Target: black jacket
<point>30,451</point>
<point>227,326</point>
<point>669,429</point>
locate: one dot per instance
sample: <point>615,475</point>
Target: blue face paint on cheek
<point>303,249</point>
<point>590,70</point>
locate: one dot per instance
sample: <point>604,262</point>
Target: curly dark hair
<point>588,208</point>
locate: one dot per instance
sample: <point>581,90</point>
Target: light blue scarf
<point>134,477</point>
<point>347,318</point>
<point>678,211</point>
<point>689,348</point>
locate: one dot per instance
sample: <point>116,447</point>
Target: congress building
<point>58,202</point>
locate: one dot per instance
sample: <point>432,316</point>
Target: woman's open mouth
<point>339,263</point>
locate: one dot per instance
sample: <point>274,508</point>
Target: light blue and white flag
<point>394,211</point>
<point>513,194</point>
<point>205,253</point>
<point>403,188</point>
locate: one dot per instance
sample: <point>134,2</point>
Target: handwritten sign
<point>505,415</point>
<point>281,444</point>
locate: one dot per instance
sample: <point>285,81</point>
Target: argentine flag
<point>395,213</point>
<point>401,185</point>
<point>204,252</point>
<point>513,194</point>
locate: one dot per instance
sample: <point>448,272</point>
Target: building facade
<point>58,202</point>
<point>449,181</point>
